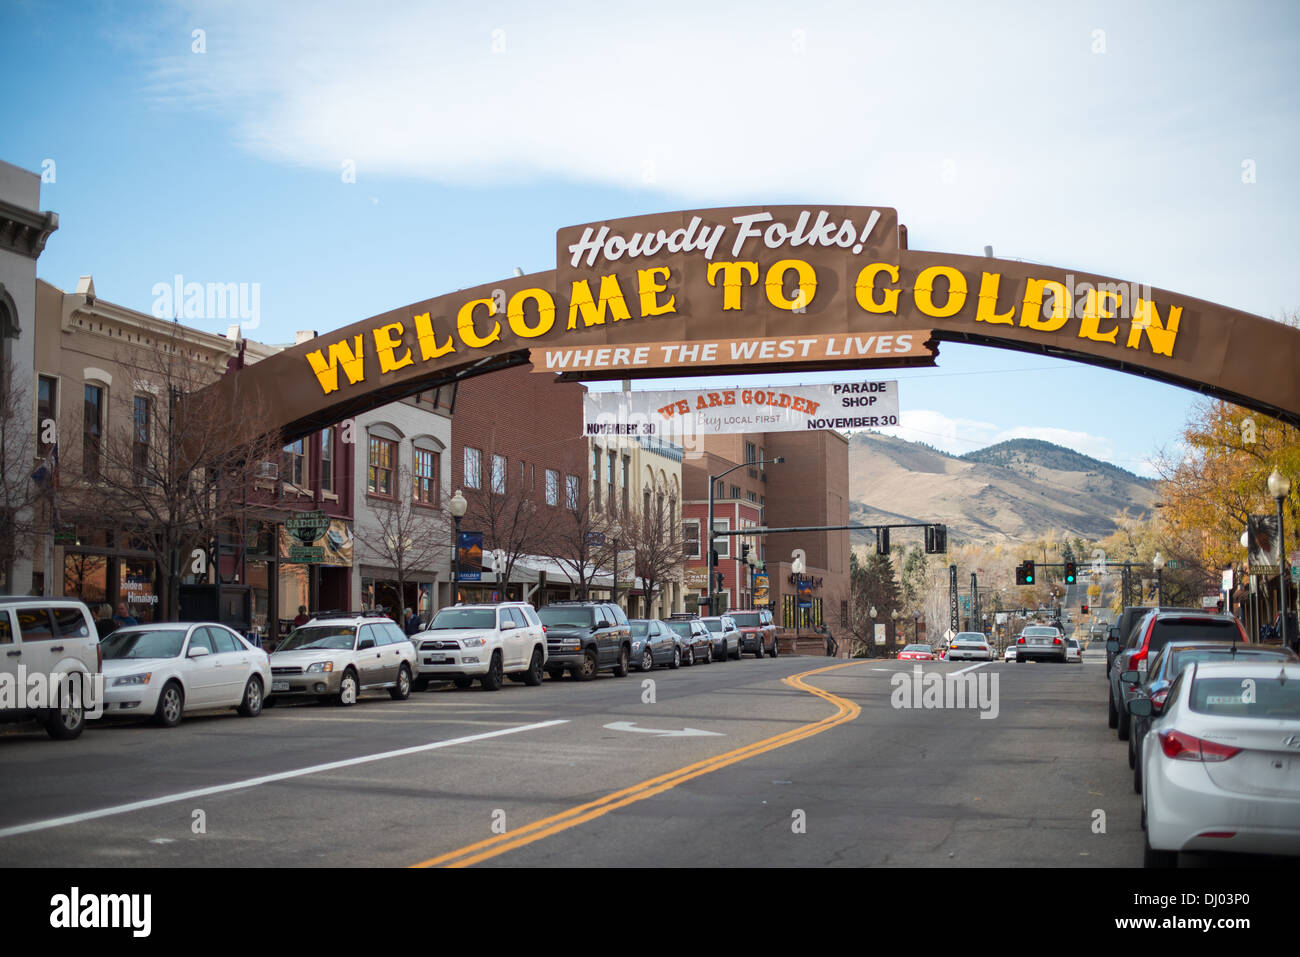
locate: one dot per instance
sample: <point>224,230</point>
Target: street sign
<point>595,539</point>
<point>949,635</point>
<point>306,554</point>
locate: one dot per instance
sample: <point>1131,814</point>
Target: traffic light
<point>1020,574</point>
<point>1084,609</point>
<point>744,551</point>
<point>718,577</point>
<point>936,539</point>
<point>882,541</point>
<point>1029,573</point>
<point>1069,573</point>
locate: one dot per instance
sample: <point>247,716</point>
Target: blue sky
<point>1103,137</point>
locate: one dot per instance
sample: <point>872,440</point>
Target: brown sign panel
<point>825,273</point>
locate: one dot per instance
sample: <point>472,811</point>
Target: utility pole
<point>952,599</point>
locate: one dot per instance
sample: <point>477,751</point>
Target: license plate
<point>439,661</point>
<point>279,686</point>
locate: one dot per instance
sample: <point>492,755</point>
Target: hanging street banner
<point>470,556</point>
<point>861,404</point>
<point>1263,544</point>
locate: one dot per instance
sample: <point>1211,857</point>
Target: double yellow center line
<point>541,829</point>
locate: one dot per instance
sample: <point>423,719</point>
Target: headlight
<point>320,666</point>
<point>132,680</point>
<point>474,642</point>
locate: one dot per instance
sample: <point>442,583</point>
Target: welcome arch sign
<point>747,288</point>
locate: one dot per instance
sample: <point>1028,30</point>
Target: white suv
<point>487,642</point>
<point>51,643</point>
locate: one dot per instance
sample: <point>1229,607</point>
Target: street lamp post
<point>457,505</point>
<point>894,638</point>
<point>752,561</point>
<point>873,631</point>
<point>1279,486</point>
<point>616,530</point>
<point>1252,613</point>
<point>709,536</point>
<point>1158,563</point>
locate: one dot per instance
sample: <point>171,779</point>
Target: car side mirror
<point>198,652</point>
<point>506,626</point>
<point>1140,707</point>
<point>1131,676</point>
<point>602,624</point>
<point>1112,645</point>
<point>366,643</point>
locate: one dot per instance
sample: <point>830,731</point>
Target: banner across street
<point>862,404</point>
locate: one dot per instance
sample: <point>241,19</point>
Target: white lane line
<point>978,664</point>
<point>264,779</point>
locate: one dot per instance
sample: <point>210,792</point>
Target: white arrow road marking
<point>684,733</point>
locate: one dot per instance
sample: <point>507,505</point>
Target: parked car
<point>1219,766</point>
<point>1125,625</point>
<point>337,656</point>
<point>1155,630</point>
<point>969,646</point>
<point>696,639</point>
<point>56,639</point>
<point>586,637</point>
<point>653,643</point>
<point>757,631</point>
<point>1040,643</point>
<point>482,642</point>
<point>164,670</point>
<point>1165,666</point>
<point>916,653</point>
<point>726,637</point>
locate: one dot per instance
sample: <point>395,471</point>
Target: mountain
<point>1011,492</point>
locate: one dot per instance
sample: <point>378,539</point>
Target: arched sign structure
<point>748,288</point>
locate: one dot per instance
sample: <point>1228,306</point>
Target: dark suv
<point>584,637</point>
<point>757,631</point>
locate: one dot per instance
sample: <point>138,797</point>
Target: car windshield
<point>964,637</point>
<point>746,621</point>
<point>917,648</point>
<point>1180,658</point>
<point>1040,632</point>
<point>639,628</point>
<point>715,624</point>
<point>1193,629</point>
<point>450,618</point>
<point>314,637</point>
<point>682,628</point>
<point>1253,697</point>
<point>143,644</point>
<point>559,616</point>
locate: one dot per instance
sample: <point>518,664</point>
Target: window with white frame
<point>552,487</point>
<point>473,468</point>
<point>498,475</point>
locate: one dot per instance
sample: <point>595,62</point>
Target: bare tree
<point>174,475</point>
<point>406,536</point>
<point>24,480</point>
<point>581,541</point>
<point>512,519</point>
<point>655,536</point>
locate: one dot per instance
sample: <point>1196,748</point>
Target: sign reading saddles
<point>751,289</point>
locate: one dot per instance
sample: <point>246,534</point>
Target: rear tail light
<point>1020,641</point>
<point>1056,641</point>
<point>1185,747</point>
<point>1158,699</point>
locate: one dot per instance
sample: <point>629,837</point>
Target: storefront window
<point>86,577</point>
<point>295,590</point>
<point>136,584</point>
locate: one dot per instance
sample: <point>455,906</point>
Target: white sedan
<point>970,646</point>
<point>1009,654</point>
<point>1072,651</point>
<point>1221,762</point>
<point>164,670</point>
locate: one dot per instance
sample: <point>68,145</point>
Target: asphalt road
<point>820,770</point>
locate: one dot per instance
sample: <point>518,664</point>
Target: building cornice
<point>25,231</point>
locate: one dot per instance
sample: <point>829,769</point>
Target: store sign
<point>697,578</point>
<point>857,404</point>
<point>313,538</point>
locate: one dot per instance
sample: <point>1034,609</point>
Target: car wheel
<point>1112,716</point>
<point>1122,728</point>
<point>533,676</point>
<point>1153,858</point>
<point>462,681</point>
<point>402,690</point>
<point>677,658</point>
<point>1137,777</point>
<point>590,665</point>
<point>708,655</point>
<point>738,650</point>
<point>620,669</point>
<point>67,722</point>
<point>252,704</point>
<point>776,646</point>
<point>495,676</point>
<point>647,661</point>
<point>1132,761</point>
<point>171,705</point>
<point>690,657</point>
<point>347,689</point>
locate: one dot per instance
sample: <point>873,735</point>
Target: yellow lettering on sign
<point>465,324</point>
<point>807,277</point>
<point>1031,315</point>
<point>1097,306</point>
<point>732,275</point>
<point>593,313</point>
<point>386,343</point>
<point>924,292</point>
<point>986,309</point>
<point>866,289</point>
<point>651,282</point>
<point>428,340</point>
<point>1161,335</point>
<point>545,313</point>
<point>350,358</point>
